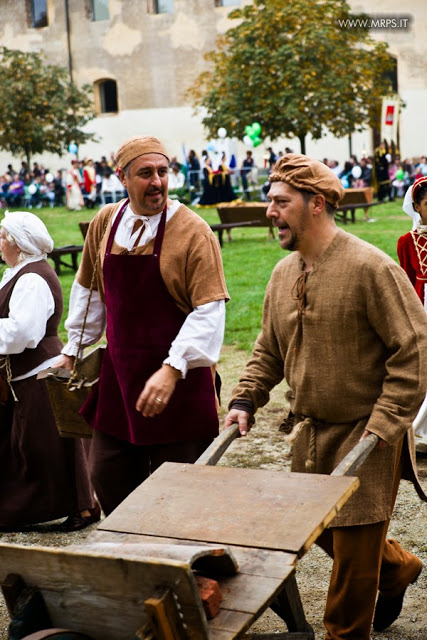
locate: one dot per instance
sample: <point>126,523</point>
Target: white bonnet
<point>408,208</point>
<point>28,231</point>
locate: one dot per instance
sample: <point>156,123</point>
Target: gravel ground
<point>265,448</point>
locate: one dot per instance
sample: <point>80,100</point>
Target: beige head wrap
<point>138,146</point>
<point>28,231</point>
<point>304,173</point>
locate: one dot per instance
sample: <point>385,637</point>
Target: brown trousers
<point>364,562</point>
<point>118,467</point>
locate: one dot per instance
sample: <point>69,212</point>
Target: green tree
<point>40,109</point>
<point>296,67</point>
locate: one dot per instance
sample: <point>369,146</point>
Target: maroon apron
<point>142,322</point>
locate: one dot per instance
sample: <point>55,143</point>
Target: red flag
<point>389,115</point>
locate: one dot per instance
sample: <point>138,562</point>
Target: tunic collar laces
<point>298,293</point>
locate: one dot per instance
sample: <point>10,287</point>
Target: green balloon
<point>248,130</point>
<point>256,128</point>
<point>256,140</point>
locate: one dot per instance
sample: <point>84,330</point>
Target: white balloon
<point>248,141</point>
<point>32,189</point>
<point>49,177</point>
<point>222,132</point>
<point>356,172</point>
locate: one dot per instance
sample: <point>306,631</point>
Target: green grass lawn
<point>248,259</point>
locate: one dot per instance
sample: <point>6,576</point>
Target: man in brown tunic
<point>342,325</point>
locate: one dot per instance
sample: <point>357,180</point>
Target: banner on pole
<point>390,119</point>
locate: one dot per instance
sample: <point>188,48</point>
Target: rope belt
<point>306,423</point>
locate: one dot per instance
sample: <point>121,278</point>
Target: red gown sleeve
<point>406,254</point>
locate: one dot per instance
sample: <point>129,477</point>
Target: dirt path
<point>265,448</point>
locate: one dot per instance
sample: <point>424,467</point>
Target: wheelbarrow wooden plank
<point>245,507</point>
<point>100,594</point>
<point>251,561</point>
<point>261,575</point>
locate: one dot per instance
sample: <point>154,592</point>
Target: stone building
<point>141,56</point>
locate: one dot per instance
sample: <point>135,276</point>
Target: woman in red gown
<point>412,253</point>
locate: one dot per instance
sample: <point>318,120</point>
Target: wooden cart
<point>135,577</point>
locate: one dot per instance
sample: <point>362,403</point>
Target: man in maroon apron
<point>160,291</point>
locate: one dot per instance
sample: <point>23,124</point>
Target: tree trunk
<point>301,139</point>
<point>28,157</point>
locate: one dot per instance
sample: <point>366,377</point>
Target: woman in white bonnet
<point>42,477</point>
<point>412,254</point>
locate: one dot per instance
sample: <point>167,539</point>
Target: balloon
<point>222,132</point>
<point>72,147</point>
<point>32,189</point>
<point>248,130</point>
<point>256,141</point>
<point>248,141</point>
<point>210,147</point>
<point>356,172</point>
<point>256,128</point>
<point>49,177</point>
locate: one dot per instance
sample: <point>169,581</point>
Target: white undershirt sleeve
<point>199,341</point>
<point>30,307</point>
<point>95,321</point>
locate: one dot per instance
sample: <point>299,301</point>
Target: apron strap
<point>160,233</point>
<point>159,236</point>
<point>115,225</point>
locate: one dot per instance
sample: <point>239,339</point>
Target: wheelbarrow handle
<point>347,466</point>
<point>356,456</point>
<point>219,445</point>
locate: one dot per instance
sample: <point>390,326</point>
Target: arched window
<point>39,13</point>
<point>106,96</point>
<point>227,3</point>
<point>100,10</point>
<point>160,6</point>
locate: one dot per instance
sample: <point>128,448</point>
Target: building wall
<point>155,58</point>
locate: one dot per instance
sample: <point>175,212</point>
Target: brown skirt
<point>42,477</point>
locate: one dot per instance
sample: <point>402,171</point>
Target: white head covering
<point>408,208</point>
<point>28,231</point>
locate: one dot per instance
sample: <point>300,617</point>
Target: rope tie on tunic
<point>8,368</point>
<point>307,423</point>
<point>298,293</point>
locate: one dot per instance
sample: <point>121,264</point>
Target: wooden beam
<point>355,458</point>
<point>221,443</point>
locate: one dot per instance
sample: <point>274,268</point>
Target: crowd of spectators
<point>92,183</point>
<point>390,176</point>
<point>31,187</point>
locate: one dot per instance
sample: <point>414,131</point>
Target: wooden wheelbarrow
<point>137,577</point>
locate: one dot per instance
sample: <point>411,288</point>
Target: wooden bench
<point>355,199</point>
<point>234,215</point>
<point>58,254</point>
<point>220,228</point>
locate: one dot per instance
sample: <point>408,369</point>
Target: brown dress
<point>42,477</point>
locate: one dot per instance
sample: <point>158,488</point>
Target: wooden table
<point>268,520</point>
<point>355,199</point>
